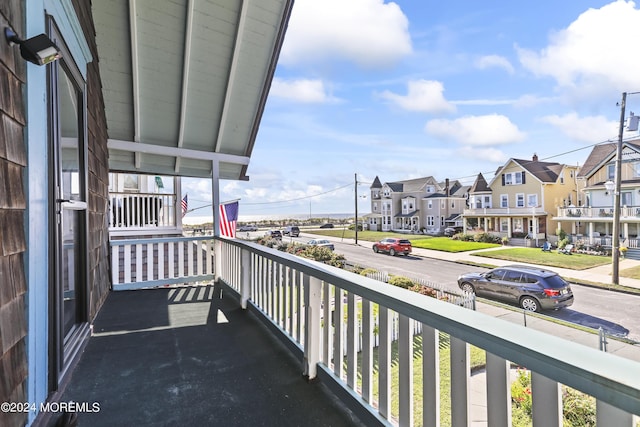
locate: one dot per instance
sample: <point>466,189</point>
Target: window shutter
<point>523,181</point>
<point>503,180</point>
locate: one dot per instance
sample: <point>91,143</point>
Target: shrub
<point>487,238</point>
<point>368,271</point>
<point>424,290</point>
<point>563,242</point>
<point>402,282</point>
<point>561,234</point>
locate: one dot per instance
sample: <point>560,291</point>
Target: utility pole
<point>615,244</point>
<point>356,203</point>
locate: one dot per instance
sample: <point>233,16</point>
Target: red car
<point>393,246</point>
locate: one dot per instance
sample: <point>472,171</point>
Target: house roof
<point>603,153</point>
<point>411,185</point>
<point>544,171</point>
<point>185,82</point>
<point>376,183</point>
<point>480,185</point>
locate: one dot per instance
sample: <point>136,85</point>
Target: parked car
<point>452,231</point>
<point>321,242</point>
<point>327,225</point>
<point>291,230</point>
<point>275,234</point>
<point>248,228</point>
<point>393,246</point>
<point>532,288</point>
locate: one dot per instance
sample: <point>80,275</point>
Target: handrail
<point>268,279</point>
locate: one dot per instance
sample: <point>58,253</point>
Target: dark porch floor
<point>182,356</point>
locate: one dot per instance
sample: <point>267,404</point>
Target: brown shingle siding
<point>14,141</point>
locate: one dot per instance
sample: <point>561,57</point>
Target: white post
<point>546,401</point>
<point>312,334</point>
<point>245,277</point>
<point>215,203</point>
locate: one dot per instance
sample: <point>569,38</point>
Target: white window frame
<point>520,200</point>
<point>532,200</point>
<point>504,200</point>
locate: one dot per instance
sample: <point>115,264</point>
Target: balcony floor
<point>181,356</point>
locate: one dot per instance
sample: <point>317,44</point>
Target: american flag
<point>185,204</point>
<point>228,219</point>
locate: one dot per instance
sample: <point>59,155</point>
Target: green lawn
<point>551,259</point>
<point>449,245</point>
<point>369,236</point>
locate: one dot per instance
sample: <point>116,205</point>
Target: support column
<point>312,335</point>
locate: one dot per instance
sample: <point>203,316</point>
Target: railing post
<point>608,415</point>
<point>312,335</point>
<point>460,373</point>
<point>245,277</point>
<point>217,259</point>
<point>546,401</point>
<point>498,391</point>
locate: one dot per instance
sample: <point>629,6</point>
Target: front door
<point>68,292</point>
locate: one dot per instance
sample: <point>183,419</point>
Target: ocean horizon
<point>203,219</point>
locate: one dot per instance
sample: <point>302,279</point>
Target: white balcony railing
<point>504,211</point>
<point>130,211</point>
<point>599,213</point>
<point>298,299</point>
<point>138,263</point>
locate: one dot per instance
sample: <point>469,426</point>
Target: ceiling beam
<point>133,29</point>
<point>161,150</point>
<point>185,77</point>
<point>232,73</point>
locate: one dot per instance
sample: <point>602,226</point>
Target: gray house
<point>416,205</point>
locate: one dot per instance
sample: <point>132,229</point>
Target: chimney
<point>446,187</point>
<point>535,157</point>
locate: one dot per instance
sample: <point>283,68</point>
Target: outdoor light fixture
<point>39,50</point>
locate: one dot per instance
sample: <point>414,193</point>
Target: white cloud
<point>595,54</point>
<point>370,33</point>
<point>590,129</point>
<point>422,95</point>
<point>494,61</point>
<point>483,154</point>
<point>301,90</point>
<point>493,129</point>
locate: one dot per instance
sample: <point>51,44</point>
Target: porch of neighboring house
<point>591,228</point>
<point>521,230</point>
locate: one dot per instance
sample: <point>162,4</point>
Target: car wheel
<point>375,249</point>
<point>530,304</point>
<point>468,287</point>
<point>392,252</point>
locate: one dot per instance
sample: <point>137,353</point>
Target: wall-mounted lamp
<point>39,49</point>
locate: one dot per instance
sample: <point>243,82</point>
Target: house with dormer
<point>521,199</point>
<point>591,217</point>
<point>416,205</point>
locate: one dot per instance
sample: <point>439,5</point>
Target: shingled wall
<point>13,160</point>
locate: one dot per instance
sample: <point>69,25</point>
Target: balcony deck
<point>183,356</point>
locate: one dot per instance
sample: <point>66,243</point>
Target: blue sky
<point>409,88</point>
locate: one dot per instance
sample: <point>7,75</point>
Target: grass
<point>477,360</point>
<point>444,244</point>
<point>449,245</point>
<point>370,236</point>
<point>551,259</point>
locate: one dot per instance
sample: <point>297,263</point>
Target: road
<point>617,313</point>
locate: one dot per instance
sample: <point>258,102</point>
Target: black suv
<point>292,231</point>
<point>532,288</point>
<point>275,234</point>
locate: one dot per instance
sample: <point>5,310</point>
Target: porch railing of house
<point>504,211</point>
<point>297,298</point>
<point>138,263</point>
<point>602,212</point>
<point>324,313</point>
<point>141,210</point>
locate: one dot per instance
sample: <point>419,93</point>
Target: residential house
<point>416,205</point>
<point>591,218</point>
<point>521,199</point>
